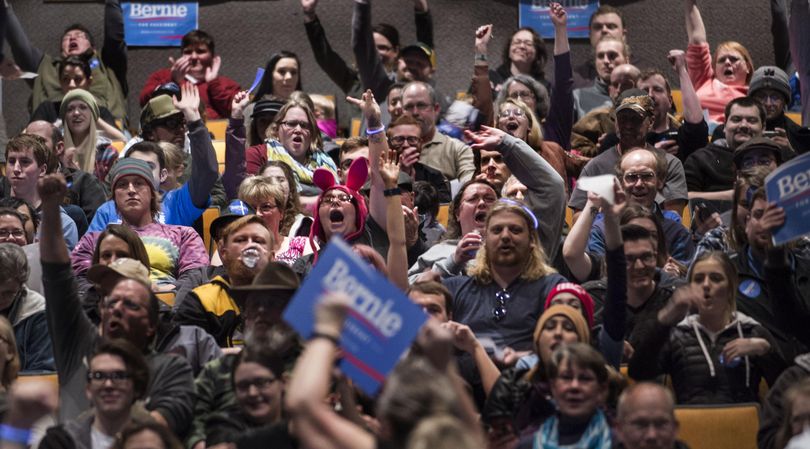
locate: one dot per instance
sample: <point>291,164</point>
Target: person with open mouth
<point>714,353</point>
<point>297,142</point>
<point>722,79</point>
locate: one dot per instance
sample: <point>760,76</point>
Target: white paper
<point>23,76</point>
<point>601,185</point>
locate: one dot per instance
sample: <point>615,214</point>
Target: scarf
<point>596,435</point>
<point>303,172</point>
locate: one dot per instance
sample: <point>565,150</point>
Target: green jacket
<point>215,396</point>
<point>105,87</point>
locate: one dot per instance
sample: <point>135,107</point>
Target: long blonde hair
<point>86,150</point>
<point>536,267</point>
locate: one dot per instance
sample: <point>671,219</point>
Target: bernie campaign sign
<point>381,323</point>
<point>534,13</point>
<point>789,187</point>
<point>151,24</point>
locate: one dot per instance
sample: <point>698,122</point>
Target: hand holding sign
<point>344,296</point>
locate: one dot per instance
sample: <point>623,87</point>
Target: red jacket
<point>216,95</point>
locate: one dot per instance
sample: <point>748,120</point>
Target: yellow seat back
<point>443,215</point>
<point>726,426</point>
<point>219,149</point>
<point>210,214</point>
<point>217,128</point>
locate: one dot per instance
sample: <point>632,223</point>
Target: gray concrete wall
<point>248,32</point>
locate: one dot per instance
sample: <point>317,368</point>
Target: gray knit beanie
<point>770,77</point>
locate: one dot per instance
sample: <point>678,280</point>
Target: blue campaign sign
<point>158,24</point>
<point>534,13</point>
<point>381,324</point>
<point>789,187</point>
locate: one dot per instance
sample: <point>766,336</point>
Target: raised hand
<point>309,6</point>
<point>9,70</point>
<point>239,103</point>
<point>52,188</point>
<point>463,337</point>
<point>180,68</point>
<point>30,401</point>
<point>212,72</point>
<point>678,60</point>
<point>467,248</point>
<point>189,104</point>
<point>411,225</point>
<point>482,37</point>
<point>330,314</point>
<point>487,139</point>
<point>682,300</point>
<point>389,169</point>
<point>619,201</point>
<point>370,108</point>
<point>558,15</point>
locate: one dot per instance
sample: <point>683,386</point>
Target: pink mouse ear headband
<point>325,180</point>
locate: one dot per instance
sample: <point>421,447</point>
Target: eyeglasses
<point>266,208</point>
<point>243,386</point>
<point>397,141</point>
<point>100,377</point>
<point>764,97</point>
<point>750,162</point>
<point>511,112</point>
<point>645,258</point>
<point>110,303</point>
<point>336,199</point>
<point>499,311</point>
<point>526,42</point>
<point>16,233</point>
<point>519,95</point>
<point>417,106</point>
<point>292,124</point>
<point>171,123</point>
<point>632,178</point>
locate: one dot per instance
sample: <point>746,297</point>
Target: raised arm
<point>692,111</point>
<point>394,221</point>
<point>327,58</point>
<point>114,51</point>
<point>576,244</point>
<point>546,189</point>
<point>424,22</point>
<point>235,163</point>
<point>560,120</point>
<point>370,66</point>
<point>695,30</point>
<point>377,146</point>
<point>315,423</point>
<point>204,171</point>
<point>25,54</point>
<point>465,340</point>
<point>481,86</point>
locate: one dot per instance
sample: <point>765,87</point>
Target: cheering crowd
<point>564,310</point>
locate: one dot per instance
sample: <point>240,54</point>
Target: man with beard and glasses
<point>261,304</point>
<point>117,377</point>
<point>245,247</point>
<point>642,173</point>
<point>502,295</point>
<point>710,170</point>
<point>129,311</point>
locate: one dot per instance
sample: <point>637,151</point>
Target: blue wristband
<point>15,435</point>
<point>371,132</point>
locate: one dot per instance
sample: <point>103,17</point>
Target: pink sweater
<point>713,93</point>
